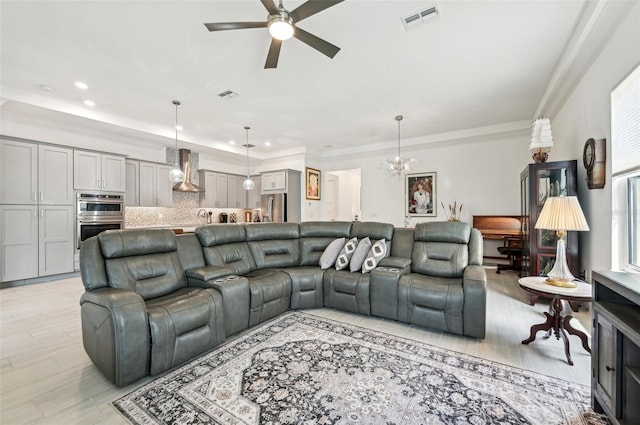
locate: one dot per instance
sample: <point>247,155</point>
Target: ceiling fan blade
<point>223,26</point>
<point>274,54</point>
<point>317,43</point>
<point>271,7</point>
<point>310,8</point>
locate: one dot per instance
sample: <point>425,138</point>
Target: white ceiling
<point>481,63</point>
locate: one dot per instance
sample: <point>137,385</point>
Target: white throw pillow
<point>377,252</point>
<point>345,255</point>
<point>358,257</point>
<point>328,257</point>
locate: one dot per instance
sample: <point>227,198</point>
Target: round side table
<point>557,322</point>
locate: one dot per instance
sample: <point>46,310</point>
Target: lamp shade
<point>562,213</point>
<point>541,134</point>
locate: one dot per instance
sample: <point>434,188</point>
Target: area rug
<point>302,369</point>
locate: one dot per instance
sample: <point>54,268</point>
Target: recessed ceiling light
<point>81,85</point>
<point>232,142</point>
<point>89,103</point>
<point>267,143</point>
<point>45,88</point>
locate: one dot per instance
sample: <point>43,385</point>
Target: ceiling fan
<point>282,26</point>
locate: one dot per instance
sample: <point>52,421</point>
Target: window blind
<point>625,124</point>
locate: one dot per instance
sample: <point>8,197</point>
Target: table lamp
<point>562,213</point>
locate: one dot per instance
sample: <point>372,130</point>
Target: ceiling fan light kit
<point>281,27</point>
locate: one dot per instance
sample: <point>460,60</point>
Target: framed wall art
<point>312,183</point>
<point>420,195</point>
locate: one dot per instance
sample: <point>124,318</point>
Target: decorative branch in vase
<point>454,211</point>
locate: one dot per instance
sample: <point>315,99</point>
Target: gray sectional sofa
<point>154,300</point>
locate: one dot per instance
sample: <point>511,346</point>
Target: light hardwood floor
<point>46,377</point>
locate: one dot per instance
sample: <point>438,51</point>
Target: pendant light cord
<point>177,103</point>
<point>399,118</point>
<point>247,128</point>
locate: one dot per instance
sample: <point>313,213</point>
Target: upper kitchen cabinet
<point>274,181</point>
<point>253,196</point>
<point>98,171</point>
<point>215,187</point>
<point>132,188</point>
<point>155,187</point>
<point>236,196</point>
<point>35,174</point>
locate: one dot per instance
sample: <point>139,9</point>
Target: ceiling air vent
<point>228,94</point>
<point>420,18</point>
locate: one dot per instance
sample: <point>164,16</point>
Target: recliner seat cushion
<point>270,294</point>
<point>346,291</point>
<point>182,325</point>
<point>429,301</point>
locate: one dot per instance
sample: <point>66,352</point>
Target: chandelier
<point>176,175</point>
<point>248,184</point>
<point>397,166</point>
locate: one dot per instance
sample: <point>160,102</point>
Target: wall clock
<point>594,160</point>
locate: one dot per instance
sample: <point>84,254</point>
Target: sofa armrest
<point>395,262</point>
<point>115,333</point>
<point>474,311</point>
<point>206,274</point>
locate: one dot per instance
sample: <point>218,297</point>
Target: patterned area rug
<point>302,369</point>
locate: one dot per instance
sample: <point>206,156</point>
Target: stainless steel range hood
<point>185,165</point>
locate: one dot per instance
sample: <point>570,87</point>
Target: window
<point>625,168</point>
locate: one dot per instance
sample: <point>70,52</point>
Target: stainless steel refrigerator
<point>274,207</point>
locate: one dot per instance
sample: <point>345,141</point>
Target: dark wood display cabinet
<point>537,183</point>
<point>615,356</point>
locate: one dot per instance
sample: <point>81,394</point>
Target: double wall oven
<point>96,213</point>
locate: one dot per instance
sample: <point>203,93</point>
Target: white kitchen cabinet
<point>222,189</point>
<point>155,186</point>
<point>253,196</point>
<point>19,236</point>
<point>18,173</point>
<point>36,241</point>
<point>35,174</point>
<point>98,171</point>
<point>233,199</point>
<point>55,175</point>
<point>55,239</point>
<point>274,181</point>
<point>216,189</point>
<point>132,186</point>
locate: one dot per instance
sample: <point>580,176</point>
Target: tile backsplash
<point>183,216</point>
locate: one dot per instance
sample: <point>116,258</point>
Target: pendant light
<point>176,175</point>
<point>248,184</point>
<point>397,166</point>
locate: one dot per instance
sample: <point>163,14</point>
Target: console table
<point>615,377</point>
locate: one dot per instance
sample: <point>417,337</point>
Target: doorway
<point>343,195</point>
